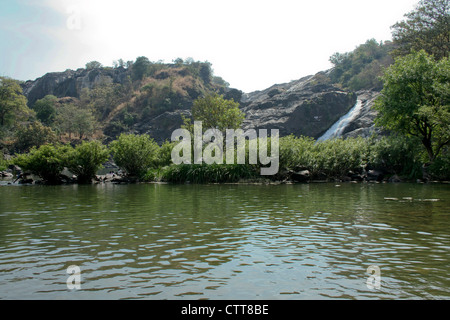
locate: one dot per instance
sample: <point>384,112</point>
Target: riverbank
<point>7,178</point>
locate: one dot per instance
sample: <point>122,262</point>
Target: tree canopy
<point>218,113</point>
<point>13,104</point>
<point>415,100</point>
<point>427,27</point>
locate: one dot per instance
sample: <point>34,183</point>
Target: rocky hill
<point>70,83</point>
<point>157,103</point>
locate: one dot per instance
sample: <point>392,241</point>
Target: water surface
<point>251,242</point>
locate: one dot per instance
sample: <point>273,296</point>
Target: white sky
<point>251,44</point>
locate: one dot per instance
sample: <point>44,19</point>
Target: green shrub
<point>86,159</point>
<point>164,157</point>
<point>397,155</point>
<point>440,168</point>
<point>3,162</point>
<point>215,173</point>
<point>134,154</point>
<point>47,161</point>
<point>34,135</point>
<point>332,158</point>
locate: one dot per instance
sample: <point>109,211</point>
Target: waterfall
<point>338,128</point>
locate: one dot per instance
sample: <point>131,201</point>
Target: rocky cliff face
<point>303,107</point>
<point>70,83</point>
<point>308,106</point>
<point>364,123</point>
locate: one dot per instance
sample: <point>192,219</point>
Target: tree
<point>71,119</point>
<point>218,113</point>
<point>415,100</point>
<point>427,27</point>
<point>45,109</point>
<point>47,161</point>
<point>135,154</point>
<point>34,135</point>
<point>13,104</point>
<point>86,159</point>
<point>140,68</point>
<point>361,68</point>
<point>93,65</point>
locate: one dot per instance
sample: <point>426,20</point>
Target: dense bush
<point>135,154</point>
<point>3,162</point>
<point>215,173</point>
<point>361,68</point>
<point>47,161</point>
<point>332,158</point>
<point>440,169</point>
<point>86,159</point>
<point>33,135</point>
<point>397,155</point>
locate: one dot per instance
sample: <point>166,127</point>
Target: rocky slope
<point>308,106</point>
<point>303,107</point>
<point>70,83</point>
<point>363,125</point>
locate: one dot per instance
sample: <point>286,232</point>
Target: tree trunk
<point>431,156</point>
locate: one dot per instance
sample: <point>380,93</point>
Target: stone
<point>302,176</point>
<point>395,179</point>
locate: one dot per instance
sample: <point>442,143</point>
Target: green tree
<point>71,119</point>
<point>415,100</point>
<point>361,68</point>
<point>134,154</point>
<point>86,159</point>
<point>34,135</point>
<point>218,113</point>
<point>47,161</point>
<point>93,65</point>
<point>45,109</point>
<point>13,104</point>
<point>140,68</point>
<point>427,27</point>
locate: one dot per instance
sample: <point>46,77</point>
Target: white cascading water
<point>338,128</point>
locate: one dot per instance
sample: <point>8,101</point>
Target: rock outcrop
<point>303,107</point>
<point>70,83</point>
<point>363,125</point>
<point>308,106</point>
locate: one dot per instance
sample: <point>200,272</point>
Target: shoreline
<point>104,179</point>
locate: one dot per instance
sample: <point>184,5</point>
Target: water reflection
<point>224,241</point>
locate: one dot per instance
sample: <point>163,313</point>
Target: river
<point>251,242</point>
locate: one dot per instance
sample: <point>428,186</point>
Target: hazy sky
<point>251,44</point>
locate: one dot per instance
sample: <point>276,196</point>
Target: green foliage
<point>440,168</point>
<point>216,112</point>
<point>34,135</point>
<point>361,68</point>
<point>3,162</point>
<point>47,161</point>
<point>223,173</point>
<point>140,68</point>
<point>165,154</point>
<point>71,119</point>
<point>86,159</point>
<point>45,109</point>
<point>427,27</point>
<point>93,65</point>
<point>13,104</point>
<point>332,158</point>
<point>134,154</point>
<point>415,100</point>
<point>397,155</point>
